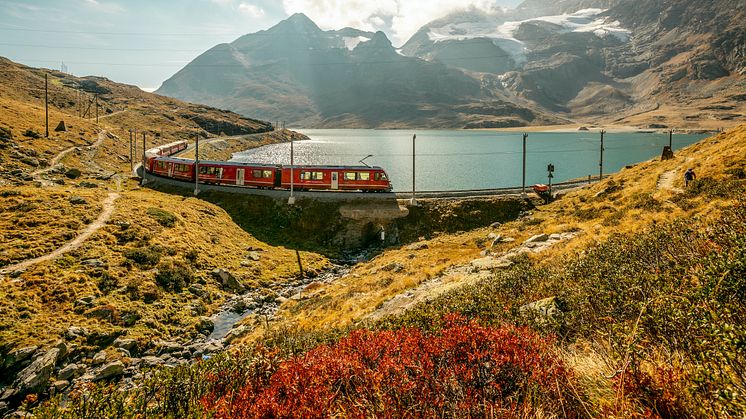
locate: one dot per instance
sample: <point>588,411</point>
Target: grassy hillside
<point>633,309</point>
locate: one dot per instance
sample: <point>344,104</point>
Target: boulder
<point>541,311</point>
<point>99,358</point>
<point>236,333</point>
<point>104,312</point>
<point>168,347</point>
<point>123,343</point>
<point>77,200</point>
<point>228,281</point>
<point>71,372</point>
<point>73,173</point>
<point>538,238</point>
<point>151,361</point>
<point>490,263</point>
<point>76,332</point>
<point>31,161</point>
<point>89,185</point>
<point>110,370</point>
<point>18,356</point>
<point>253,256</point>
<point>94,263</point>
<point>60,385</point>
<point>61,127</point>
<point>393,267</point>
<point>36,376</point>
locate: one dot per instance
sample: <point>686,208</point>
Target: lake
<point>461,159</point>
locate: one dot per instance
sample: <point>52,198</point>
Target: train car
<point>172,167</point>
<point>239,174</point>
<point>163,150</point>
<point>362,178</point>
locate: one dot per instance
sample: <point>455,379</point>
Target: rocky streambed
<point>83,356</point>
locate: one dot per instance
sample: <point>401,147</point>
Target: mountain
<point>297,72</point>
<point>673,62</point>
<point>657,63</point>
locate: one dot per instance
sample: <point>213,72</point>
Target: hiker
<point>689,176</point>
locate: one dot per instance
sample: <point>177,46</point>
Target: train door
<point>278,178</point>
<point>240,177</point>
<point>335,180</point>
<point>170,170</point>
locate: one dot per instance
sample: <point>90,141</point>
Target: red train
<point>358,178</point>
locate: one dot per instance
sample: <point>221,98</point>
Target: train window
<point>363,175</point>
<point>266,174</point>
<point>208,170</point>
<point>305,175</point>
<point>380,176</point>
<point>349,175</point>
<point>181,168</point>
<point>256,173</point>
<point>161,164</point>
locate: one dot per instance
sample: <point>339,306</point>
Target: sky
<point>144,42</point>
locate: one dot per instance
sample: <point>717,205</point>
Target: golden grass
<point>625,202</point>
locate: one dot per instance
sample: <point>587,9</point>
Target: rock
<point>495,224</point>
<point>490,263</point>
<point>95,263</point>
<point>253,256</point>
<point>18,356</point>
<point>280,300</point>
<point>71,372</point>
<point>125,353</point>
<point>417,246</point>
<point>110,370</point>
<point>31,161</point>
<point>36,376</point>
<point>73,173</point>
<point>236,333</point>
<point>555,237</point>
<point>89,185</point>
<point>197,289</point>
<point>77,200</point>
<point>168,347</point>
<point>128,344</point>
<point>542,311</point>
<point>228,281</point>
<point>60,385</point>
<point>59,181</point>
<point>17,273</point>
<point>205,325</point>
<point>151,361</point>
<point>99,358</point>
<point>61,127</point>
<point>75,331</point>
<point>104,338</point>
<point>537,238</point>
<point>496,240</point>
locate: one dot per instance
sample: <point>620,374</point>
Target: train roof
<point>264,165</point>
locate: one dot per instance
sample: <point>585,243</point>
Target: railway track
<point>327,195</point>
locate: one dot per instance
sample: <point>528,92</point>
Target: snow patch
<point>351,43</point>
<point>503,33</point>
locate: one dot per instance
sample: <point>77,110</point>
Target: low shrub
<point>463,370</point>
<point>144,257</point>
<point>174,276</point>
<point>163,217</point>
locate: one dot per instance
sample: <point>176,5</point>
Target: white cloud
<point>406,16</point>
<point>222,2</point>
<point>251,10</point>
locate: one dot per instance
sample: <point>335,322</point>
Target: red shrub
<point>463,370</point>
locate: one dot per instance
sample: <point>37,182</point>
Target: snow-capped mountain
<point>646,62</point>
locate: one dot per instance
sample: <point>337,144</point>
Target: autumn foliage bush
<point>462,370</point>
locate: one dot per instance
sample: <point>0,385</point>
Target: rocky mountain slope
<point>653,63</point>
<point>309,77</point>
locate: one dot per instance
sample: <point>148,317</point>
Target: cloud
<point>406,16</point>
<point>251,10</point>
<point>222,2</point>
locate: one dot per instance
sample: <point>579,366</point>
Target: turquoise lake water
<point>459,159</point>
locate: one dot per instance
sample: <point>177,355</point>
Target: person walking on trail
<point>689,176</point>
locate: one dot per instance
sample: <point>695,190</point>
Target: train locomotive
<point>266,176</point>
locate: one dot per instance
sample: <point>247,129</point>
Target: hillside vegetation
<point>631,307</point>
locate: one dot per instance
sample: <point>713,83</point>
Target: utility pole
<point>413,201</point>
<point>97,108</point>
<point>143,159</point>
<point>670,139</point>
<point>523,182</point>
<point>601,160</point>
<point>46,104</point>
<point>196,164</point>
<point>131,150</point>
<point>291,200</point>
<point>550,169</point>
